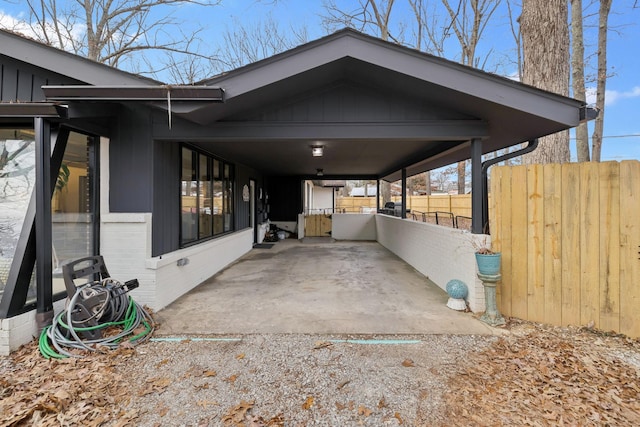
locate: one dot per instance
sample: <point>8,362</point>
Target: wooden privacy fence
<point>456,204</point>
<point>570,240</point>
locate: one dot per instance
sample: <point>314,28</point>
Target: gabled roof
<point>68,64</point>
<point>267,101</point>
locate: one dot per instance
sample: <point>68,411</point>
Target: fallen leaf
<point>322,344</point>
<point>398,417</point>
<point>162,363</point>
<point>210,373</point>
<point>232,379</point>
<point>236,415</point>
<point>342,384</point>
<point>362,410</point>
<point>408,363</point>
<point>340,406</point>
<point>382,403</point>
<point>308,403</point>
<point>240,356</point>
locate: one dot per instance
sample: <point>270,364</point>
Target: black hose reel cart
<point>99,313</point>
<point>98,298</point>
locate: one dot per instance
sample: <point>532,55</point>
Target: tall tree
<point>110,31</point>
<point>246,44</point>
<point>368,16</point>
<point>603,27</point>
<point>469,18</point>
<point>545,37</point>
<point>577,76</point>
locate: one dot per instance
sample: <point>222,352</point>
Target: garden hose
<point>112,313</point>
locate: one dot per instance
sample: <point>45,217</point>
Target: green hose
<point>56,340</point>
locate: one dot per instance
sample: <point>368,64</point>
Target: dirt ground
<point>535,375</point>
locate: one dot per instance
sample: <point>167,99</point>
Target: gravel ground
<point>295,380</point>
<point>534,374</point>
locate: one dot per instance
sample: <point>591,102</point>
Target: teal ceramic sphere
<point>457,289</point>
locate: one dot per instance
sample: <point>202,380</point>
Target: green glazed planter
<point>488,264</point>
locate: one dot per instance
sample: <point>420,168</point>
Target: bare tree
<point>545,37</point>
<point>243,45</point>
<point>577,76</point>
<point>469,18</point>
<point>109,31</point>
<point>370,16</point>
<point>596,137</point>
<point>517,36</point>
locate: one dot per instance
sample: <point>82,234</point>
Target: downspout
<point>532,145</point>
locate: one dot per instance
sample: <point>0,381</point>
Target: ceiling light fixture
<point>317,150</point>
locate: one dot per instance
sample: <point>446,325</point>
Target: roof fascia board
<point>444,130</point>
<point>134,93</point>
<point>65,63</point>
<point>403,60</point>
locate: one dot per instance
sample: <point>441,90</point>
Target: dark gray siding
<point>350,102</point>
<point>166,197</point>
<point>242,209</point>
<point>20,81</point>
<point>285,198</point>
<point>131,162</point>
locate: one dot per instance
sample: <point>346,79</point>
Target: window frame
<point>227,196</point>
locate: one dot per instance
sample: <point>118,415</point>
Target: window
<point>17,179</point>
<point>206,199</point>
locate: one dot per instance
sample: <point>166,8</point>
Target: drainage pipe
<point>532,145</point>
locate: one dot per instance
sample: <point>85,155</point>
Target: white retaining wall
<point>353,227</point>
<point>125,244</point>
<point>440,253</point>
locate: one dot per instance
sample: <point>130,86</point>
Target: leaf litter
<point>534,375</point>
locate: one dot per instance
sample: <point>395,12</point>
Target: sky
<point>622,112</point>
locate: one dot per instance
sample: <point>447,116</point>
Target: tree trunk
<point>603,17</point>
<point>545,37</point>
<point>427,182</point>
<point>462,172</point>
<point>577,76</point>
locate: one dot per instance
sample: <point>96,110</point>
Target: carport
<point>379,111</point>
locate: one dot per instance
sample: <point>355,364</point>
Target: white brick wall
<point>21,329</point>
<point>353,227</point>
<point>204,260</point>
<point>440,253</point>
<point>125,243</point>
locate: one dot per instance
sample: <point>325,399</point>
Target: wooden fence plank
<point>535,240</point>
<point>589,244</point>
<point>503,198</point>
<point>519,244</point>
<point>552,252</point>
<point>570,244</point>
<point>629,248</point>
<point>609,280</point>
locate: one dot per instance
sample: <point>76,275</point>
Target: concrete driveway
<point>318,287</point>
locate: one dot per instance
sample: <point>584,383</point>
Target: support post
<point>477,192</point>
<point>377,195</point>
<point>44,288</point>
<point>403,211</point>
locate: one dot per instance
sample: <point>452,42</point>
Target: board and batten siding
<point>570,240</point>
<point>20,81</point>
